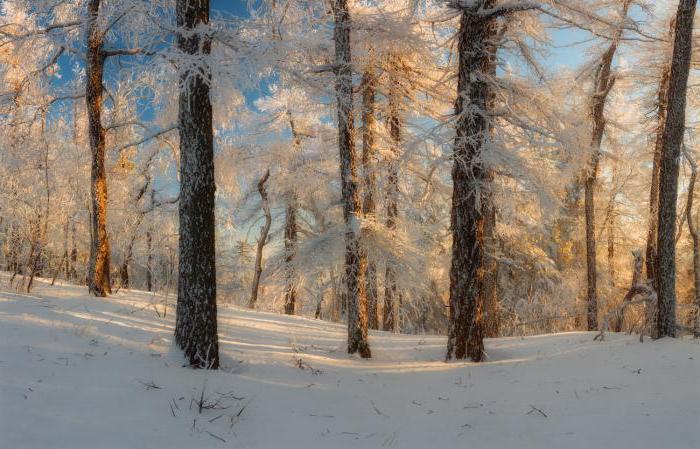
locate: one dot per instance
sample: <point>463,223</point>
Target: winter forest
<point>349,223</point>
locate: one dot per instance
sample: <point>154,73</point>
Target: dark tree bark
<point>262,240</point>
<point>695,237</point>
<point>634,288</point>
<point>674,128</point>
<point>290,243</point>
<point>392,297</point>
<point>124,268</point>
<point>469,178</point>
<point>149,261</point>
<point>99,265</point>
<point>604,82</point>
<point>36,264</point>
<point>290,231</point>
<point>651,250</point>
<point>490,318</point>
<point>355,259</point>
<point>196,321</point>
<point>369,157</point>
<point>611,251</point>
<point>73,259</point>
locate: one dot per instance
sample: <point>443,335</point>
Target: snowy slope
<point>80,372</point>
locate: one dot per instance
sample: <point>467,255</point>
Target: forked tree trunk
<point>369,167</point>
<point>469,178</point>
<point>355,259</point>
<point>392,297</point>
<point>674,129</point>
<point>196,321</point>
<point>604,82</point>
<point>635,288</point>
<point>262,240</point>
<point>99,264</point>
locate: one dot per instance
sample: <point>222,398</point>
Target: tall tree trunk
<point>290,243</point>
<point>489,300</point>
<point>36,264</point>
<point>290,230</point>
<point>612,273</point>
<point>674,129</point>
<point>355,259</point>
<point>149,261</point>
<point>651,250</point>
<point>491,318</point>
<point>369,167</point>
<point>262,240</point>
<point>196,322</point>
<point>124,269</point>
<point>604,82</point>
<point>469,179</point>
<point>73,254</point>
<point>63,265</point>
<point>392,297</point>
<point>98,271</point>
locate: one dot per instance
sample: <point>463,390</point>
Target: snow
<point>81,372</point>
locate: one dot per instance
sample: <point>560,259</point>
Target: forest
<point>252,206</point>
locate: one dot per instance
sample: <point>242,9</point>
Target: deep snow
<point>81,372</point>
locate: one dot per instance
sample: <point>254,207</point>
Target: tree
<point>355,259</point>
<point>392,297</point>
<point>603,83</point>
<point>368,88</point>
<point>672,139</point>
<point>465,337</point>
<point>262,240</point>
<point>196,323</point>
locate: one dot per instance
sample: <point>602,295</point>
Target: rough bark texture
<point>491,317</point>
<point>392,297</point>
<point>369,158</point>
<point>655,173</point>
<point>99,265</point>
<point>290,243</point>
<point>149,261</point>
<point>262,240</point>
<point>469,177</point>
<point>604,81</point>
<point>695,237</point>
<point>73,273</point>
<point>672,138</point>
<point>196,323</point>
<point>355,260</point>
<point>290,231</point>
<point>634,289</point>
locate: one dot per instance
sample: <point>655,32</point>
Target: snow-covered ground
<point>80,372</point>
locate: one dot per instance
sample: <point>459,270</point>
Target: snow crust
<point>81,372</point>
